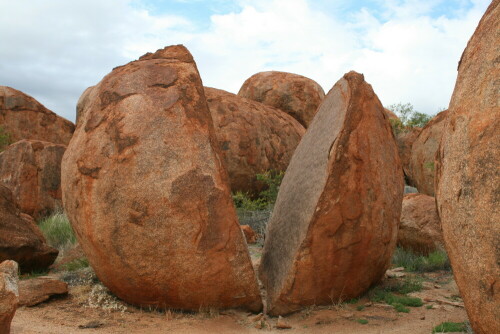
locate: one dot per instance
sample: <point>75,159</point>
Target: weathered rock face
<point>253,137</point>
<point>420,228</point>
<point>390,114</point>
<point>296,95</point>
<point>8,294</point>
<point>83,102</point>
<point>148,195</point>
<point>32,170</point>
<point>23,117</point>
<point>468,177</point>
<point>20,239</point>
<point>334,226</point>
<point>423,152</point>
<point>405,142</point>
<point>40,289</point>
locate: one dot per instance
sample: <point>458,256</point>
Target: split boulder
<point>468,176</point>
<point>296,95</point>
<point>335,222</point>
<point>405,141</point>
<point>253,137</point>
<point>148,195</point>
<point>32,170</point>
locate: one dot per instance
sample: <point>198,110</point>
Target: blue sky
<point>407,49</point>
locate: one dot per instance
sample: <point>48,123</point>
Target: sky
<point>408,50</point>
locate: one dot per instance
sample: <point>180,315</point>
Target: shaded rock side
<point>405,141</point>
<point>423,152</point>
<point>253,137</point>
<point>8,294</point>
<point>40,289</point>
<point>334,226</point>
<point>296,95</point>
<point>420,228</point>
<point>20,238</point>
<point>23,117</point>
<point>148,194</point>
<point>468,175</point>
<point>32,170</point>
<point>83,102</point>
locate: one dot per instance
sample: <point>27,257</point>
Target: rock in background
<point>468,175</point>
<point>334,226</point>
<point>8,294</point>
<point>405,141</point>
<point>23,117</point>
<point>32,170</point>
<point>253,137</point>
<point>296,95</point>
<point>148,195</point>
<point>420,228</point>
<point>20,238</point>
<point>423,152</point>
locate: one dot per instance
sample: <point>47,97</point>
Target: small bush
<point>400,308</point>
<point>4,139</point>
<point>408,117</point>
<point>273,180</point>
<point>398,302</point>
<point>77,264</point>
<point>360,307</point>
<point>450,327</point>
<point>362,321</point>
<point>437,260</point>
<point>57,230</point>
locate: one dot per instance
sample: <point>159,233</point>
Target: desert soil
<point>77,314</point>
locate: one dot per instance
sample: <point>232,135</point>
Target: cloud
<point>407,49</point>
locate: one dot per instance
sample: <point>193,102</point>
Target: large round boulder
<point>253,137</point>
<point>83,103</point>
<point>468,176</point>
<point>23,117</point>
<point>296,95</point>
<point>32,170</point>
<point>20,238</point>
<point>335,222</point>
<point>148,195</point>
<point>423,153</point>
<point>420,228</point>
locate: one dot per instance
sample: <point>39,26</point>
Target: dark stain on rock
<point>92,172</point>
<point>108,98</point>
<point>137,213</point>
<point>121,140</point>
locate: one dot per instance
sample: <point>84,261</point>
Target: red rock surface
<point>8,294</point>
<point>32,170</point>
<point>296,95</point>
<point>249,233</point>
<point>148,194</point>
<point>420,228</point>
<point>40,289</point>
<point>423,152</point>
<point>83,102</point>
<point>253,137</point>
<point>405,141</point>
<point>468,176</point>
<point>20,239</point>
<point>334,226</point>
<point>23,117</point>
<point>390,114</point>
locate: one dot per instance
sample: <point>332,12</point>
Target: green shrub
<point>400,308</point>
<point>408,117</point>
<point>437,260</point>
<point>57,230</point>
<point>362,321</point>
<point>450,327</point>
<point>380,295</point>
<point>77,264</point>
<point>360,307</point>
<point>4,139</point>
<point>272,179</point>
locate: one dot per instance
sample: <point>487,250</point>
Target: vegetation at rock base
<point>362,321</point>
<point>383,295</point>
<point>34,274</point>
<point>256,211</point>
<point>437,260</point>
<point>450,327</point>
<point>57,230</point>
<point>408,117</point>
<point>4,139</point>
<point>77,264</point>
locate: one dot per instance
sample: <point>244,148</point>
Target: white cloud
<point>54,49</point>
